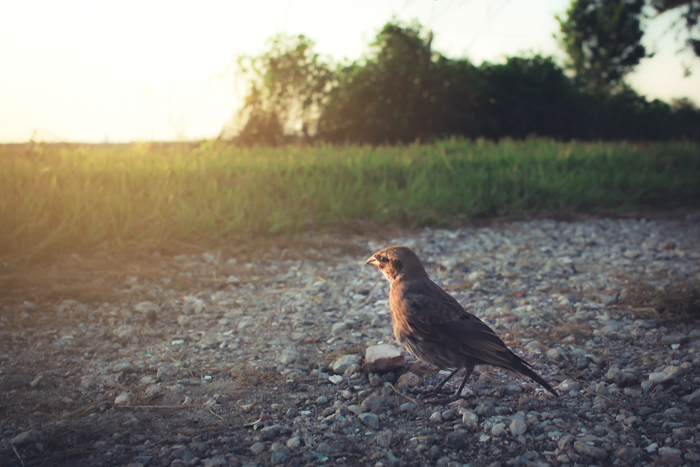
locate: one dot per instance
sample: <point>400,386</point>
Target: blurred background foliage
<point>404,91</point>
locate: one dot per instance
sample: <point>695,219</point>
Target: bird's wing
<point>438,317</point>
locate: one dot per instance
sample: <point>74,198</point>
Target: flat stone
<point>384,357</point>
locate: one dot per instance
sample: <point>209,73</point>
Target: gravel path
<point>240,367</point>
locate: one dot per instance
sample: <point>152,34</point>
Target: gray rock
<point>370,420</point>
<point>372,404</point>
<point>324,448</point>
<point>269,433</point>
<point>436,418</point>
<point>11,382</point>
<point>126,365</point>
<point>499,429</point>
<point>277,446</point>
<point>125,331</point>
<point>279,458</point>
<point>294,442</point>
<point>339,328</point>
<point>518,426</point>
<point>457,439</point>
<point>590,450</point>
<point>123,399</point>
<point>486,409</point>
<point>669,374</point>
<point>342,364</point>
<point>667,451</point>
<point>384,439</point>
<point>627,454</point>
<point>409,407</point>
<point>215,461</point>
<point>27,437</point>
<point>257,448</point>
<point>693,398</point>
<point>470,419</point>
<point>565,441</point>
<point>288,356</point>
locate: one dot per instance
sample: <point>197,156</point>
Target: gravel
<point>262,360</point>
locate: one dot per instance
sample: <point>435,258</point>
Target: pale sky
<point>87,71</point>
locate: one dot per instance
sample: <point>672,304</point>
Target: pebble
<point>342,364</point>
<point>257,448</point>
<point>384,439</point>
<point>669,374</point>
<point>370,420</point>
<point>409,380</point>
<point>693,398</point>
<point>590,450</point>
<point>294,442</point>
<point>125,331</point>
<point>384,357</point>
<point>409,407</point>
<point>499,429</point>
<point>123,399</point>
<point>518,426</point>
<point>27,437</point>
<point>470,419</point>
<point>372,404</point>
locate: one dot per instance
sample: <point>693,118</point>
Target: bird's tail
<point>521,366</point>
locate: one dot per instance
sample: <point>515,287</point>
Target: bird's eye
<point>383,259</point>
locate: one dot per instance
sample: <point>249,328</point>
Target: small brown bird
<point>435,328</point>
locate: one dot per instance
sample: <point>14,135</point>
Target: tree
<point>690,15</point>
<point>401,92</point>
<point>288,86</point>
<point>602,39</point>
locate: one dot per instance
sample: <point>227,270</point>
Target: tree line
<point>403,90</point>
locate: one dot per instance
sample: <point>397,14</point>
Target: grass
<point>58,198</point>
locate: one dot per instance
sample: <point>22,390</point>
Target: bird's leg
<point>436,390</point>
<point>464,380</point>
<point>442,383</point>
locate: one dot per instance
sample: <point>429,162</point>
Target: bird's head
<point>398,262</point>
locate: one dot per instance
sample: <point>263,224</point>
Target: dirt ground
<point>187,356</point>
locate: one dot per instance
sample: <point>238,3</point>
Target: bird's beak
<point>372,260</point>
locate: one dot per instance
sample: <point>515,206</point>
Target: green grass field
<point>76,198</point>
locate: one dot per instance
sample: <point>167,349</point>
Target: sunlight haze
<point>137,71</point>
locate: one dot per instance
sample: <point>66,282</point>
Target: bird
<point>432,325</point>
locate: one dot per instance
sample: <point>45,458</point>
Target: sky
<point>108,71</point>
